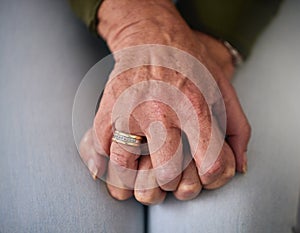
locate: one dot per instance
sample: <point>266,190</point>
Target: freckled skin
<point>136,22</point>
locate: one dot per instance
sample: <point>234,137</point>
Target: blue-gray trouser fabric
<point>45,187</point>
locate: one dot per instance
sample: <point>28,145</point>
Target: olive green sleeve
<point>86,10</point>
<point>237,21</point>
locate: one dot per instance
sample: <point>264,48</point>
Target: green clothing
<point>86,10</point>
<point>237,21</point>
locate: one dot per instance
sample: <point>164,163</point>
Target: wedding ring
<point>127,139</point>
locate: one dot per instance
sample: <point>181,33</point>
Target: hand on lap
<point>144,101</point>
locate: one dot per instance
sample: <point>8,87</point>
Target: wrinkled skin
<point>132,23</point>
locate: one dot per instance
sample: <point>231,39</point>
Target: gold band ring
<point>127,139</point>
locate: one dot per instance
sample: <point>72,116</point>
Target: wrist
<point>218,52</point>
<point>133,22</point>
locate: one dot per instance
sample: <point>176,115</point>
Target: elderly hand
<point>170,165</point>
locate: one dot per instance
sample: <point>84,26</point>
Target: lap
<point>266,198</point>
<point>44,185</point>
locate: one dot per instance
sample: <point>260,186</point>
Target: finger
<point>115,185</point>
<point>166,156</point>
<point>238,130</point>
<point>229,170</point>
<point>190,185</point>
<point>95,162</point>
<point>122,170</point>
<point>208,151</point>
<point>102,129</point>
<point>146,188</point>
<point>221,171</point>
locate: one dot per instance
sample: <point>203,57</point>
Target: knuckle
<point>188,191</point>
<point>229,173</point>
<point>166,175</point>
<point>216,168</point>
<point>120,195</point>
<point>231,169</point>
<point>222,180</point>
<point>213,173</point>
<point>145,197</point>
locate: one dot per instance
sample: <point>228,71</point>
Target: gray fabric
<point>44,186</point>
<point>297,227</point>
<point>265,199</point>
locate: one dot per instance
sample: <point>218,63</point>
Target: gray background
<point>44,54</point>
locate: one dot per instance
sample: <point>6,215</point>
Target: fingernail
<point>93,169</point>
<point>245,166</point>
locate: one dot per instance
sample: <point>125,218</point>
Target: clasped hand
<point>182,125</point>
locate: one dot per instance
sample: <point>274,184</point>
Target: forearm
<point>234,21</point>
<point>132,22</point>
